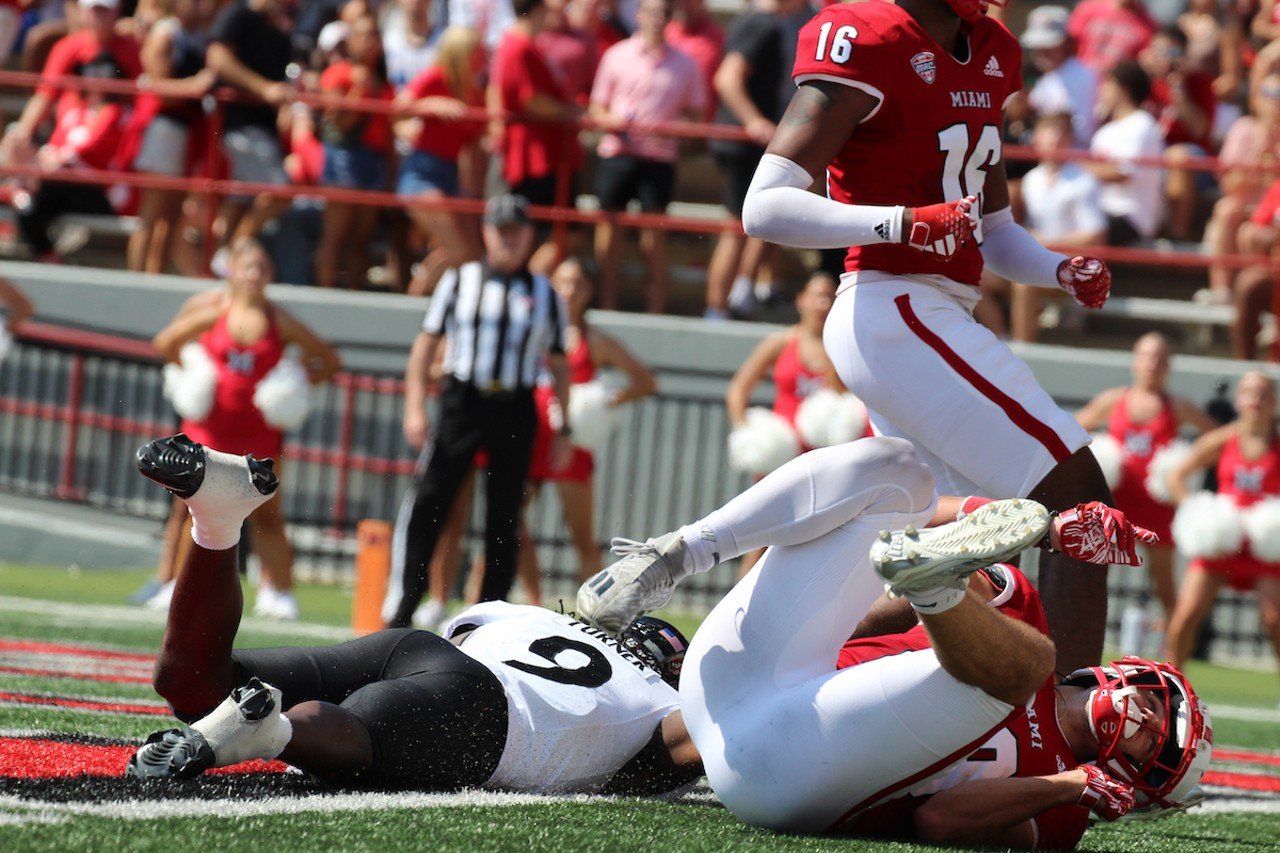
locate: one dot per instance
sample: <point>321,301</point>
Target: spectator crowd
<point>1148,88</point>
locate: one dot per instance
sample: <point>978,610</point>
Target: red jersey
<point>1030,744</point>
<point>444,139</point>
<point>937,127</point>
<point>1247,481</point>
<point>71,53</point>
<point>234,424</point>
<point>529,149</point>
<point>374,130</point>
<point>793,380</point>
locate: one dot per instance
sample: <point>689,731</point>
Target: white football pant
<point>788,742</point>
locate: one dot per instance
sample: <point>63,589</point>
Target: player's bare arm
<point>996,812</point>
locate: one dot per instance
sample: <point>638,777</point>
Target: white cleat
<point>247,725</point>
<point>642,580</point>
<point>914,561</point>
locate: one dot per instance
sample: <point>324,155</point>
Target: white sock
<point>234,739</point>
<point>702,547</point>
<point>937,600</point>
<point>224,500</point>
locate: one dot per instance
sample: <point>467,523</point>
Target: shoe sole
<point>175,754</point>
<point>912,560</point>
<point>178,464</point>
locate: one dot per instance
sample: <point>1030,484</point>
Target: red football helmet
<point>1183,733</point>
<point>972,10</point>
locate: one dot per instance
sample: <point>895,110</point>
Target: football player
<point>518,698</point>
<point>898,114</point>
<point>921,733</point>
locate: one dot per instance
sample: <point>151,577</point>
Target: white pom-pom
<point>190,385</point>
<point>763,443</point>
<point>6,341</point>
<point>827,417</point>
<point>1109,455</point>
<point>1163,463</point>
<point>284,394</point>
<point>591,416</point>
<point>1262,526</point>
<point>1208,525</point>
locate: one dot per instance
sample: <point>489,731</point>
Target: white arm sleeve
<point>780,209</point>
<point>1010,252</point>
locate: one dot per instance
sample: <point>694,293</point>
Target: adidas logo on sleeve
<point>993,68</point>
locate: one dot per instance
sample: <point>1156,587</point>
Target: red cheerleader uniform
<point>793,381</point>
<point>234,424</point>
<point>1139,442</point>
<point>1246,482</point>
<point>582,465</point>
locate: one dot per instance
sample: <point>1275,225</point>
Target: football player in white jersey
<point>791,744</point>
<point>518,698</point>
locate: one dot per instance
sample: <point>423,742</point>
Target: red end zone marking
<point>1266,758</point>
<point>66,649</point>
<point>33,758</point>
<point>77,676</point>
<point>1243,781</point>
<point>85,704</point>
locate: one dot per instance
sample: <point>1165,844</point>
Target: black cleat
<point>254,699</point>
<point>173,754</point>
<point>180,465</point>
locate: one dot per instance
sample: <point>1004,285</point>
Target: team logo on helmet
<point>925,65</point>
<point>659,644</point>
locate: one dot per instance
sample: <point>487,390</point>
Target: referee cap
<point>506,209</point>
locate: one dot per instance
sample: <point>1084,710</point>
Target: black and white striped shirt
<point>500,326</point>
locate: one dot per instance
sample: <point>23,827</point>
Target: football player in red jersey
<point>897,112</point>
<point>899,739</point>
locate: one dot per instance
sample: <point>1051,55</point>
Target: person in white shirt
<point>1066,84</point>
<point>1132,195</point>
<point>1062,209</point>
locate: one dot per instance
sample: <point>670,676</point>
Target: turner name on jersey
<point>579,705</point>
<point>935,130</point>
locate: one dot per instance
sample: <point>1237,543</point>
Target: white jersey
<point>579,706</point>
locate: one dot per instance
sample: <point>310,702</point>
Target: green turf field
<point>58,606</point>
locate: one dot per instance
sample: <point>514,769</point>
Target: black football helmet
<point>659,644</point>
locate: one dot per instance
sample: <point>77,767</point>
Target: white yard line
<point>61,613</point>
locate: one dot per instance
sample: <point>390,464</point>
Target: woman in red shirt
<point>445,158</point>
<point>356,147</point>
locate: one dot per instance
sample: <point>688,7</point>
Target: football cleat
<point>173,754</point>
<point>911,560</point>
<point>204,477</point>
<point>642,580</point>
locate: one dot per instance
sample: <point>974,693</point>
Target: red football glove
<point>942,228</point>
<point>1097,533</point>
<point>1107,797</point>
<point>1087,280</point>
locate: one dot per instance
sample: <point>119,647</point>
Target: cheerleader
<point>1144,418</point>
<point>798,363</point>
<point>245,336</point>
<point>1247,455</point>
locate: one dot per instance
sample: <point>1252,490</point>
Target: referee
<point>503,325</point>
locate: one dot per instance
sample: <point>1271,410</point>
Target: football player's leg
<point>1074,593</point>
<point>929,373</point>
<point>193,670</point>
<point>784,623</point>
<point>853,738</point>
<point>799,502</point>
<point>438,721</point>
